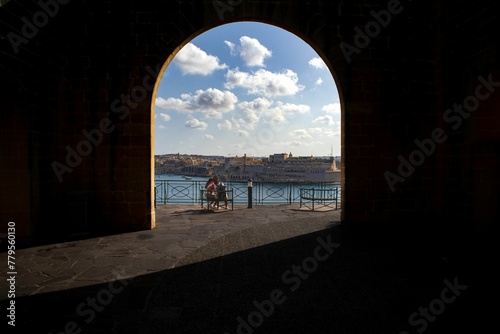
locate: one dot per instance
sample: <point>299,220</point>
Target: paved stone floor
<point>180,230</point>
<point>270,269</point>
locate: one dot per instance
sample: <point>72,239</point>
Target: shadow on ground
<point>337,280</point>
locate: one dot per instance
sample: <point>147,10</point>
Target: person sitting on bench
<point>210,192</point>
<point>221,194</point>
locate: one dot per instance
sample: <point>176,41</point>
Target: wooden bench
<point>326,197</point>
<point>206,199</point>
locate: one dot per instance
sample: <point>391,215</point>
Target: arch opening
<point>246,89</point>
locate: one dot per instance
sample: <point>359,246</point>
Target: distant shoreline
<point>200,178</point>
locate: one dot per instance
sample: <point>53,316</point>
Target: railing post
<point>313,199</point>
<point>249,193</point>
<point>165,192</point>
<point>336,197</point>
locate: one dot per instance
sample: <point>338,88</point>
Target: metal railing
<point>188,192</point>
<point>180,192</point>
<point>326,197</point>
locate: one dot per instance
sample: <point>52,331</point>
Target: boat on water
<point>187,177</point>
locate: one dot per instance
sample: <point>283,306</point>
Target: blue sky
<point>247,88</point>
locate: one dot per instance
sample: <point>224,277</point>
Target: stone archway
<point>78,116</point>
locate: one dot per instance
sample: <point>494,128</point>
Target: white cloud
<point>193,60</point>
<point>242,133</point>
<point>264,83</point>
<point>208,137</point>
<point>179,105</point>
<point>282,111</point>
<point>252,52</point>
<point>262,109</point>
<point>226,125</point>
<point>259,105</point>
<point>317,63</point>
<point>290,109</point>
<point>212,103</point>
<point>253,111</point>
<point>331,133</point>
<point>338,130</point>
<point>332,108</point>
<point>324,120</point>
<point>232,47</point>
<point>161,126</point>
<point>196,124</point>
<point>296,143</point>
<point>318,82</point>
<point>293,143</point>
<point>316,131</point>
<point>300,134</point>
<point>312,136</point>
<point>165,117</point>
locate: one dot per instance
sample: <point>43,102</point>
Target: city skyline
<point>233,156</point>
<point>239,89</point>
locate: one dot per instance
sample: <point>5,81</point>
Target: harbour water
<point>179,189</point>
